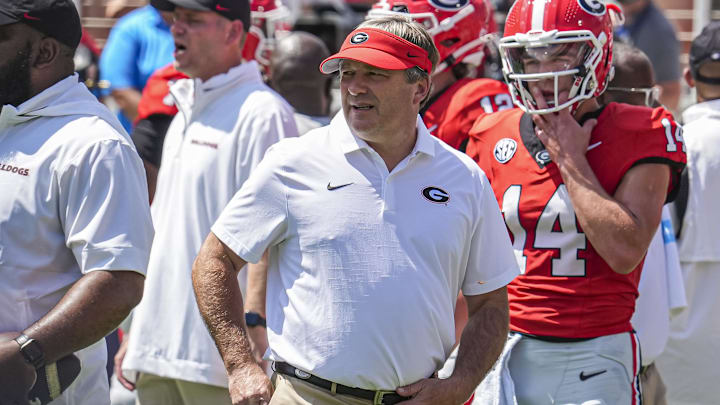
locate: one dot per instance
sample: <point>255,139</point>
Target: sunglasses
<point>651,93</point>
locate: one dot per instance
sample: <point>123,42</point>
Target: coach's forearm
<point>483,338</point>
<point>92,308</point>
<point>219,299</point>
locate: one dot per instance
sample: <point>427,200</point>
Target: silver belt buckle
<point>301,374</point>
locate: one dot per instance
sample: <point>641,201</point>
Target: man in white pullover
<point>75,228</point>
<point>227,119</point>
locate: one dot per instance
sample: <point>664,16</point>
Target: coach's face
<point>201,41</point>
<point>16,45</point>
<point>378,103</point>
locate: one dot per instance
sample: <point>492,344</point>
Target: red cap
<point>380,49</point>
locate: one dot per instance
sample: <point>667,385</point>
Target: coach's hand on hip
<point>431,391</point>
<point>249,385</point>
<point>17,376</point>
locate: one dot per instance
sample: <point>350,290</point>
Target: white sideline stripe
<point>538,15</point>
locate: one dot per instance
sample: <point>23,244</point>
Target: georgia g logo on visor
<point>594,7</point>
<point>436,195</point>
<point>450,5</point>
<point>359,38</point>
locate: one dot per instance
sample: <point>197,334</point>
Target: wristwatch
<point>254,319</point>
<point>31,351</point>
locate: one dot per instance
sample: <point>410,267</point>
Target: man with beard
<point>72,256</point>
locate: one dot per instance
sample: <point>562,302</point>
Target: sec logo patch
<point>505,150</point>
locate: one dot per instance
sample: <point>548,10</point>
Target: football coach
<point>75,225</point>
<point>373,226</point>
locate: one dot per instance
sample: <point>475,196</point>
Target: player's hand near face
<point>563,137</point>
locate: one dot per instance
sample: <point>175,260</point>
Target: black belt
<point>378,397</point>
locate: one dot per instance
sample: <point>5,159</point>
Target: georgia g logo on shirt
<point>436,195</point>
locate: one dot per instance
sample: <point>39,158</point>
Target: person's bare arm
<point>461,317</point>
<point>481,343</point>
<point>92,308</point>
<point>128,100</point>
<point>214,277</point>
<point>255,302</point>
<point>151,174</point>
<point>620,226</point>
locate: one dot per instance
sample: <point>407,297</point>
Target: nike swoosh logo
<point>584,376</point>
<point>593,146</point>
<point>331,187</point>
<point>221,8</point>
<point>411,55</point>
<point>29,17</point>
<point>433,128</point>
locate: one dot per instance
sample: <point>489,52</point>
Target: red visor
<point>380,49</point>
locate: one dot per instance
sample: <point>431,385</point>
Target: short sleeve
<point>104,208</point>
<point>256,216</point>
<point>492,263</point>
<point>662,142</point>
<point>118,69</point>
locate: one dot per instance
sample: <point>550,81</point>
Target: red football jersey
<point>566,289</point>
<point>156,90</point>
<point>452,113</point>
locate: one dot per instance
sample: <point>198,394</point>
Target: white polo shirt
<point>73,199</point>
<point>221,132</point>
<point>366,265</point>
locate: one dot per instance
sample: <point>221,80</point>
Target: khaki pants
<point>154,390</point>
<point>653,389</point>
<point>294,391</point>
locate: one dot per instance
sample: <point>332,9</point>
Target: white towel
<point>497,388</point>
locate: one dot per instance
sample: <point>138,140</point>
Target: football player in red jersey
<point>460,31</point>
<point>269,20</point>
<point>581,187</point>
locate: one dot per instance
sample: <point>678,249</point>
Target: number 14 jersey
<point>566,289</point>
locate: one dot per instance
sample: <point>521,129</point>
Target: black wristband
<point>31,351</point>
<point>254,319</point>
